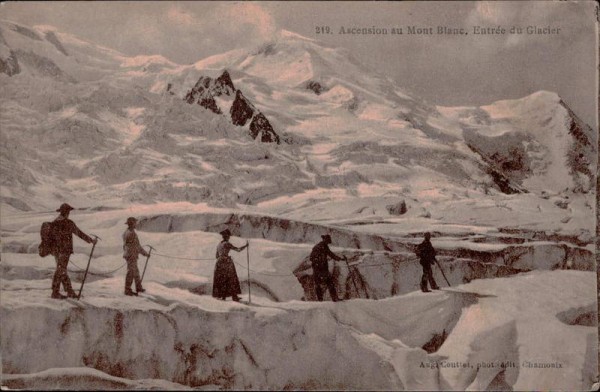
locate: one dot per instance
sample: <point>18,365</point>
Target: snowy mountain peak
<point>540,100</point>
<point>537,142</point>
<point>286,34</point>
<point>44,51</point>
<point>46,28</point>
<point>146,61</point>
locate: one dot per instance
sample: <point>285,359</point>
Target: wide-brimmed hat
<point>131,220</point>
<point>64,207</point>
<point>225,233</point>
<point>326,237</point>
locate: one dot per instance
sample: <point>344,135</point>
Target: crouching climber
<point>131,250</point>
<point>225,280</point>
<point>426,254</point>
<point>318,259</point>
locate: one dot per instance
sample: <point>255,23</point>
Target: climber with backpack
<point>57,240</point>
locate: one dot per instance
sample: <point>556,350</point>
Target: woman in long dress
<point>225,281</point>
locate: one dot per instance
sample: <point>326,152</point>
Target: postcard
<point>299,195</point>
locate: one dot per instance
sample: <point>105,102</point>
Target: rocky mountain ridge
<point>242,110</point>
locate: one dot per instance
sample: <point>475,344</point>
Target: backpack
<point>313,254</point>
<point>316,257</point>
<point>48,242</point>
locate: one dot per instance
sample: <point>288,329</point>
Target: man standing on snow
<point>321,275</point>
<point>63,229</point>
<point>131,250</point>
<point>426,254</point>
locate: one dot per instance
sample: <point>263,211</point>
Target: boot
<point>141,291</point>
<point>426,290</point>
<point>236,298</point>
<point>130,293</point>
<point>72,294</point>
<point>58,296</point>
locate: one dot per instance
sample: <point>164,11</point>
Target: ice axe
<point>147,258</point>
<point>351,276</point>
<point>88,265</point>
<point>248,259</point>
<point>443,274</point>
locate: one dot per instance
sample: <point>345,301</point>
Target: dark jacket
<point>131,245</point>
<point>318,257</point>
<point>426,253</point>
<point>63,230</point>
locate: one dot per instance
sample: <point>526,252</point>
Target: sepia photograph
<point>299,195</point>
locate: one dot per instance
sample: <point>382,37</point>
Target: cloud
<point>508,14</point>
<point>179,16</point>
<point>251,15</point>
<point>487,12</point>
<point>204,28</point>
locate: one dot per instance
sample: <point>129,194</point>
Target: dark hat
<point>427,235</point>
<point>130,220</point>
<point>64,207</point>
<point>326,237</point>
<point>225,232</point>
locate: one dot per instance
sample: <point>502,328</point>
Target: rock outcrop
<point>242,111</point>
<point>202,94</point>
<point>315,87</point>
<point>260,126</point>
<point>10,65</point>
<point>398,208</point>
<point>53,39</point>
<point>223,84</point>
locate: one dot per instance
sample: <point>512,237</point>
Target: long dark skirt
<point>225,281</point>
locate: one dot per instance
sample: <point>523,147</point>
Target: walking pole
<point>88,266</point>
<point>351,276</point>
<point>145,265</point>
<point>248,259</point>
<point>443,274</point>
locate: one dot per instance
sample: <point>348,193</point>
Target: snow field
<point>195,340</point>
<point>81,378</point>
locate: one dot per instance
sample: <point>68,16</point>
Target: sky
<point>447,70</point>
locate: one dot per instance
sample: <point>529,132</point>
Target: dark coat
<point>131,245</point>
<point>225,279</point>
<point>318,258</point>
<point>63,230</point>
<point>426,253</point>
